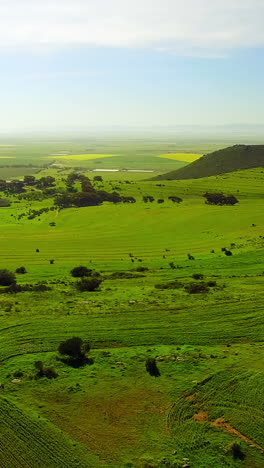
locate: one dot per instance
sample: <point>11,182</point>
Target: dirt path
<point>220,422</point>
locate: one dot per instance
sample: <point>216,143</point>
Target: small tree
<point>71,347</point>
<point>7,278</point>
<point>21,270</point>
<point>151,367</point>
<point>76,351</point>
<point>80,272</point>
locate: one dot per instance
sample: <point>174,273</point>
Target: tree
<point>30,180</point>
<point>218,198</point>
<point>15,186</point>
<point>98,178</point>
<point>75,349</point>
<point>175,199</point>
<point>7,278</point>
<point>80,272</point>
<point>21,270</point>
<point>45,182</point>
<point>71,347</point>
<point>151,367</point>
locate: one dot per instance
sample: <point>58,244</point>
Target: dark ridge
<point>226,160</point>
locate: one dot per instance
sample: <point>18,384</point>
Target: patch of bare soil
<point>223,424</point>
<point>201,416</point>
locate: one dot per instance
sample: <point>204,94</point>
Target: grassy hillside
<point>209,346</point>
<point>219,162</point>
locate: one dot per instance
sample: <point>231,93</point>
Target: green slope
<point>220,162</point>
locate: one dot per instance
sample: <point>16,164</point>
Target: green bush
<point>151,367</point>
<point>81,271</point>
<point>7,278</point>
<point>21,270</point>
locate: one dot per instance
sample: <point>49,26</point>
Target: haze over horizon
<point>139,65</point>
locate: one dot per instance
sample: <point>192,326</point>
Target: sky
<point>76,64</point>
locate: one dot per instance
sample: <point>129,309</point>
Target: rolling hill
<point>229,159</point>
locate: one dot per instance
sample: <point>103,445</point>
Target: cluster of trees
<point>150,199</point>
<point>87,196</point>
<point>220,199</point>
<point>35,213</point>
<point>18,186</point>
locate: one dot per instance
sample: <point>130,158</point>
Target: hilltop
<point>229,159</point>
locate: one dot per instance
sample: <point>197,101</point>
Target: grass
<point>209,347</point>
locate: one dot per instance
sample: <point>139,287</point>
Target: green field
<point>186,157</point>
<point>209,346</point>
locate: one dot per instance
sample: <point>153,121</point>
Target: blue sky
<point>73,64</point>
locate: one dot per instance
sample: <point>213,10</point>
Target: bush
<point>175,199</point>
<point>7,278</point>
<point>141,269</point>
<point>211,284</point>
<point>151,367</point>
<point>76,349</point>
<point>235,450</point>
<point>80,272</point>
<point>48,372</point>
<point>88,284</point>
<point>228,253</point>
<point>21,270</point>
<point>220,199</point>
<point>198,276</point>
<point>197,288</point>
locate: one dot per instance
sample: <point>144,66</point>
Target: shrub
<point>141,269</point>
<point>7,278</point>
<point>48,372</point>
<point>151,367</point>
<point>198,276</point>
<point>211,284</point>
<point>220,199</point>
<point>160,200</point>
<point>190,257</point>
<point>80,272</point>
<point>197,288</point>
<point>76,351</point>
<point>175,199</point>
<point>148,198</point>
<point>88,284</point>
<point>21,270</point>
<point>235,450</point>
<point>172,266</point>
<point>228,253</point>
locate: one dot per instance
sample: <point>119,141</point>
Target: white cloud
<point>196,27</point>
